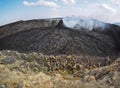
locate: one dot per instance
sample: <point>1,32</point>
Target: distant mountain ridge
<point>118,23</point>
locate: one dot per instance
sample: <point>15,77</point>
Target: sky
<point>15,10</point>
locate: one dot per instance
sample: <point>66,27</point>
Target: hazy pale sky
<point>14,10</point>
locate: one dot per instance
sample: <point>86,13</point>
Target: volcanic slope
<point>59,40</point>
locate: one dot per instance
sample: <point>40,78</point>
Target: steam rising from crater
<point>85,23</point>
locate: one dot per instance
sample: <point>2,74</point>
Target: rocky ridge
<point>15,27</point>
<point>35,70</point>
